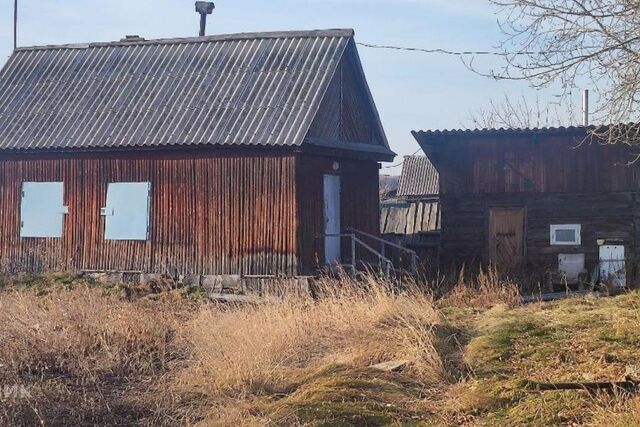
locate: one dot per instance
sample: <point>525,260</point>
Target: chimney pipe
<point>204,8</point>
<point>585,108</point>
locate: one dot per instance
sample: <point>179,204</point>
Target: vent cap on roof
<point>204,8</point>
<point>132,38</point>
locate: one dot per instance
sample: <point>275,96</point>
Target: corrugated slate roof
<point>421,135</point>
<point>243,89</point>
<point>419,178</point>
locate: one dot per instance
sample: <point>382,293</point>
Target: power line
<point>450,52</point>
<point>402,162</point>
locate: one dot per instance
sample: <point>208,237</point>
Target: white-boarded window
<point>127,211</point>
<point>42,209</point>
<point>566,234</point>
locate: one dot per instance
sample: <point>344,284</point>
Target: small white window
<point>568,234</point>
<point>127,211</point>
<point>42,209</point>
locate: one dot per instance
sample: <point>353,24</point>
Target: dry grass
<point>94,357</point>
<point>483,291</point>
<point>271,349</point>
<point>621,411</point>
<point>78,350</point>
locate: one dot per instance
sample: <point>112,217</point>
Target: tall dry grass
<point>89,357</point>
<point>260,349</point>
<point>80,332</point>
<point>96,359</point>
<point>79,352</point>
<point>485,290</point>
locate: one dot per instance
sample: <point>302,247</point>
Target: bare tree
<point>388,186</point>
<point>573,41</point>
<point>519,113</point>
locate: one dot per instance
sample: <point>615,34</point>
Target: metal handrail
<point>388,264</point>
<point>384,261</point>
<point>384,243</point>
<point>381,240</point>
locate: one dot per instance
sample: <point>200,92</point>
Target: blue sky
<point>412,90</point>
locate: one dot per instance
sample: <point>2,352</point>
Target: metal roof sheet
<point>244,89</point>
<point>419,177</point>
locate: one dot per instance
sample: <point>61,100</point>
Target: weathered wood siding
<point>360,204</point>
<point>346,113</point>
<point>602,216</point>
<point>212,212</point>
<point>408,217</point>
<point>554,178</point>
<point>546,163</point>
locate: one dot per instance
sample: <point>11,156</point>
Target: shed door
<point>332,218</point>
<point>613,265</point>
<point>506,237</point>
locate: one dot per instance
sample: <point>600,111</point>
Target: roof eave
<point>377,152</point>
<point>422,135</point>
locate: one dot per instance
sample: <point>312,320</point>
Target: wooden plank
<point>433,217</point>
<point>411,218</point>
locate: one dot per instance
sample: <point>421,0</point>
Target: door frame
<point>487,228</point>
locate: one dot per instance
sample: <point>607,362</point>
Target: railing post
<point>388,269</point>
<point>414,264</point>
<point>353,255</point>
<point>383,248</point>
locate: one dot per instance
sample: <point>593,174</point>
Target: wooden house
<point>220,155</point>
<point>539,200</point>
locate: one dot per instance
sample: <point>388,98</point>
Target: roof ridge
<point>213,38</point>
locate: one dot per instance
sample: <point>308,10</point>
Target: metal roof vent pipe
<point>585,108</point>
<point>204,8</point>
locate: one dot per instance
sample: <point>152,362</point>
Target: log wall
<point>601,215</point>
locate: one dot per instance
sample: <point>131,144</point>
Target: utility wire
<point>451,52</point>
<point>402,162</point>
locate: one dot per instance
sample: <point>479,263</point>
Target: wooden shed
<point>412,217</point>
<point>214,155</point>
<point>539,200</point>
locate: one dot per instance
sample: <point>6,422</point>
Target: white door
<point>332,219</point>
<point>612,265</point>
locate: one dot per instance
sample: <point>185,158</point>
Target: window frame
<point>577,228</point>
